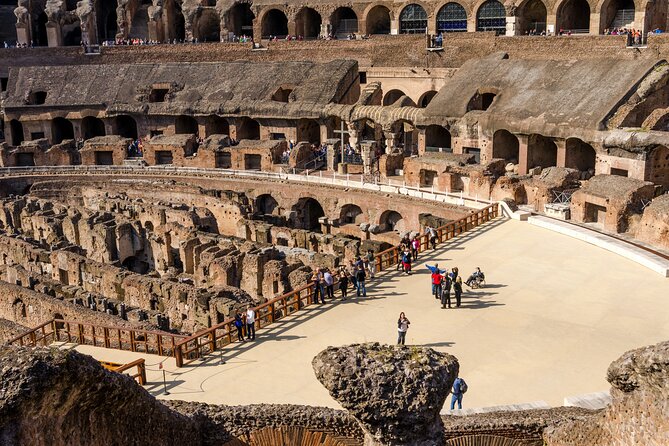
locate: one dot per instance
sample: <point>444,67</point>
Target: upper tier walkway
<point>555,313</point>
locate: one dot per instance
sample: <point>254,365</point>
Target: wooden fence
<point>119,338</point>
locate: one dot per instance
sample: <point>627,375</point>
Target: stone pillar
<point>54,34</point>
<point>333,153</point>
<point>471,23</point>
<point>394,26</point>
<point>523,158</point>
<point>23,36</point>
<point>561,152</point>
<point>421,141</point>
<point>511,29</point>
<point>551,24</point>
<point>326,28</point>
<point>368,152</point>
<point>292,27</point>
<point>390,140</point>
<point>352,133</point>
<point>594,23</point>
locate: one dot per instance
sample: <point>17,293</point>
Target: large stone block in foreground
<point>395,393</point>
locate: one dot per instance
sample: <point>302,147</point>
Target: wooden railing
<point>140,376</point>
<point>390,257</point>
<point>120,338</point>
<point>220,335</point>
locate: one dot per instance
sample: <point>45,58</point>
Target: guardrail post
<point>212,340</point>
<point>133,346</point>
<point>54,329</point>
<point>141,372</point>
<point>106,337</point>
<point>178,356</point>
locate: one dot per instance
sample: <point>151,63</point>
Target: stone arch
<point>541,151</point>
<point>125,126</point>
<point>309,130</point>
<point>306,213</point>
<point>344,21</point>
<point>615,14</point>
<point>274,22</point>
<point>217,125</point>
<point>71,34</point>
<point>573,15</point>
<point>452,17</point>
<point>580,155</point>
<point>391,221</point>
<point>377,20</point>
<point>19,310</point>
<point>485,440</point>
<point>175,22</point>
<point>61,129</point>
<point>266,204</point>
<point>207,26</point>
<point>413,19</point>
<point>16,128</point>
<point>240,19</point>
<point>308,23</point>
<point>532,16</point>
<point>655,16</point>
<point>92,127</point>
<point>505,145</point>
<point>248,128</point>
<point>39,33</point>
<point>438,137</point>
<point>659,166</point>
<point>491,16</point>
<point>426,98</point>
<point>186,125</point>
<point>350,214</point>
<point>392,96</point>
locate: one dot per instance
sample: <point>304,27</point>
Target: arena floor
<point>555,313</point>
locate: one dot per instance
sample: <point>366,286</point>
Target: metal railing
<point>119,338</point>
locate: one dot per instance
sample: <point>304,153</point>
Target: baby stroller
<point>479,281</point>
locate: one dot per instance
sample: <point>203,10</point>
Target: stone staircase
<point>140,23</point>
<point>624,19</point>
<point>134,162</point>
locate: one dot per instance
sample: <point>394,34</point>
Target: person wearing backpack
<point>459,389</point>
<point>239,325</point>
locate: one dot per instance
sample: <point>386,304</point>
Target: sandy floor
<point>555,313</point>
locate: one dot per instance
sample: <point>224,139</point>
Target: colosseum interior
<point>168,165</point>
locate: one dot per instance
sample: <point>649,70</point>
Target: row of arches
<point>307,212</point>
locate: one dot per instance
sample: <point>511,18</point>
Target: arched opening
<point>541,151</point>
<point>17,132</point>
<point>135,265</point>
<point>617,14</point>
<point>480,101</point>
<point>308,23</point>
<point>426,98</point>
<point>186,125</point>
<point>19,310</point>
<point>208,26</point>
<point>106,20</point>
<point>308,130</point>
<point>452,18</point>
<point>378,20</point>
<point>266,205</point>
<point>240,19</point>
<point>437,138</point>
<point>368,130</point>
<point>39,31</point>
<point>176,24</point>
<point>61,129</point>
<point>413,19</point>
<point>307,211</point>
<point>505,145</point>
<point>491,16</point>
<point>574,16</point>
<point>392,96</point>
<point>350,214</point>
<point>532,17</point>
<point>580,155</point>
<point>92,127</point>
<point>72,34</point>
<point>391,221</point>
<point>126,126</point>
<point>344,22</point>
<point>274,24</point>
<point>659,166</point>
<point>248,129</point>
<point>405,137</point>
<point>217,125</point>
<point>37,97</point>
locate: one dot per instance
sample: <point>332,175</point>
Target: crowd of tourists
<point>136,149</point>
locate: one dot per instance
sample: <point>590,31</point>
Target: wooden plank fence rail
<point>188,348</point>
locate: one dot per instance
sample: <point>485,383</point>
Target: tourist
<point>239,325</point>
<point>436,278</point>
<point>459,388</point>
<point>454,273</point>
<point>370,263</point>
<point>432,234</point>
<point>321,284</point>
<point>457,289</point>
<point>474,276</point>
<point>360,277</point>
<point>343,284</point>
<point>406,261</point>
<point>351,273</point>
<point>250,323</point>
<point>415,247</point>
<point>328,279</point>
<point>446,292</point>
<point>315,283</point>
<point>402,327</point>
